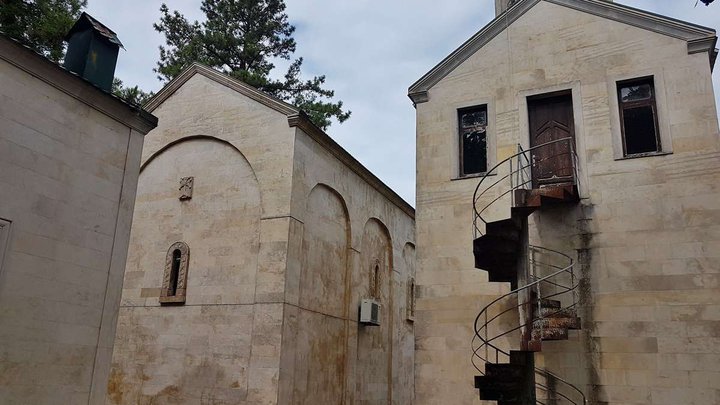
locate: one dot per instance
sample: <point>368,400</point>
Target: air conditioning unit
<point>369,312</point>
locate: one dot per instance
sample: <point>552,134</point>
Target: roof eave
<point>302,121</point>
<point>40,67</point>
<point>700,39</point>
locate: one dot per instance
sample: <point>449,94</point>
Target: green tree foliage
<point>40,24</point>
<point>130,94</point>
<point>241,37</point>
<point>43,24</point>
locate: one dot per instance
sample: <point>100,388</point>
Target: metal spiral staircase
<point>542,305</point>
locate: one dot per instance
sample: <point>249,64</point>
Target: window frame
<point>461,140</point>
<point>180,290</point>
<point>651,102</point>
<point>410,300</point>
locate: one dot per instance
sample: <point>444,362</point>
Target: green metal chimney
<point>92,51</point>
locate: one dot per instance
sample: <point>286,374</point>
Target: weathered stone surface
<point>282,234</point>
<point>68,175</point>
<point>647,228</point>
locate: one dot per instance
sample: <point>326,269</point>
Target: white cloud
<point>371,51</point>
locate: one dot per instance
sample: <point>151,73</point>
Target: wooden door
<point>551,118</point>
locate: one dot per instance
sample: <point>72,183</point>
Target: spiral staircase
<point>542,303</point>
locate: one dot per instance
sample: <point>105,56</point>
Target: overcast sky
<point>370,50</point>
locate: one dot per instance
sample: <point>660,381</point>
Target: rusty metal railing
<point>551,276</point>
<point>513,173</point>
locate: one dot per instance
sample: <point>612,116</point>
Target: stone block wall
<point>68,173</point>
<point>645,232</point>
<point>282,229</point>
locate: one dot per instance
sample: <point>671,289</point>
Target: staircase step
<point>507,228</point>
<point>548,195</point>
<point>546,312</point>
<point>500,263</point>
<point>549,334</point>
<point>495,244</point>
<point>487,383</point>
<point>557,323</point>
<point>502,397</point>
<point>505,371</point>
<point>521,357</point>
<point>546,303</point>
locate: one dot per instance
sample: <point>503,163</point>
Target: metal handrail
<point>553,285</point>
<point>486,342</point>
<point>519,172</point>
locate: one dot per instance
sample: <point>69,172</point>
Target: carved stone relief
<point>186,187</point>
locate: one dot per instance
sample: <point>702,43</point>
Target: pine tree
<point>240,38</point>
<point>40,24</point>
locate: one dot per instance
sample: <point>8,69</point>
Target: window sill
<point>644,155</point>
<point>473,176</point>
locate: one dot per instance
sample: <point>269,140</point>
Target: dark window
<point>375,286</point>
<point>174,272</point>
<point>473,140</point>
<point>638,117</point>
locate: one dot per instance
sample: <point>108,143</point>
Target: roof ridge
<point>700,38</point>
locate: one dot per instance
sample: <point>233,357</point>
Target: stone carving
<point>174,289</point>
<point>186,187</point>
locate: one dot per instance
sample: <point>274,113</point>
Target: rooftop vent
<point>92,51</point>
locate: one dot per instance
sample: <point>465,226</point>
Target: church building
<point>266,265</point>
<point>568,215</point>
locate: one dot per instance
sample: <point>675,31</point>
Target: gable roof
<point>227,81</point>
<point>699,38</point>
<point>296,119</point>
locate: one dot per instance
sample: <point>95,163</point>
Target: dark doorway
<point>551,118</point>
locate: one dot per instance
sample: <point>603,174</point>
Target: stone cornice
<point>302,121</point>
<point>75,86</point>
<point>700,39</point>
<point>225,80</point>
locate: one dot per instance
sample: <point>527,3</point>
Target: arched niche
<point>220,222</point>
<point>321,335</point>
<point>374,279</point>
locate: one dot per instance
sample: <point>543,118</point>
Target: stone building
<point>254,239</point>
<point>69,163</point>
<point>589,128</point>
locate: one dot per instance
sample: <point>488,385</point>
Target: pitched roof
<point>296,119</point>
<point>225,80</point>
<point>24,58</point>
<point>699,38</point>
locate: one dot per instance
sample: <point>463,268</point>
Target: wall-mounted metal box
<point>369,312</point>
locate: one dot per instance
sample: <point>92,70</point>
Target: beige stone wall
<point>337,215</point>
<point>646,230</point>
<point>222,345</point>
<point>275,229</point>
<point>68,175</point>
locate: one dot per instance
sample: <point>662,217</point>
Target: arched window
<point>410,308</point>
<point>174,286</point>
<point>375,276</point>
